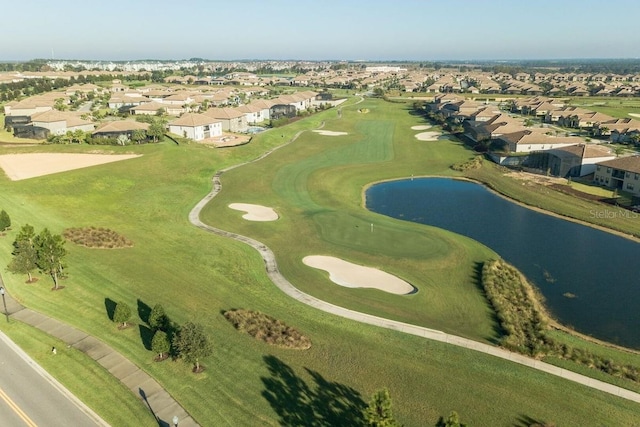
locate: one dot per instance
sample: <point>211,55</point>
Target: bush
<point>267,329</point>
<point>96,237</point>
<point>122,313</point>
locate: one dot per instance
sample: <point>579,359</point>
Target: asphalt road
<point>30,397</point>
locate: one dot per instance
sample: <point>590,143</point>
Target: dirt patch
<point>227,140</point>
<point>30,165</point>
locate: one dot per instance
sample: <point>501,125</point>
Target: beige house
<point>232,119</point>
<point>622,174</point>
<point>577,160</point>
<point>149,108</point>
<point>196,126</point>
<point>526,141</point>
<point>120,127</point>
<point>59,122</point>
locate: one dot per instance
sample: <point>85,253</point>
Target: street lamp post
<point>4,302</point>
<point>175,419</point>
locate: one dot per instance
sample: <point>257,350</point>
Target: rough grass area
<point>92,237</point>
<point>268,329</point>
<point>526,324</point>
<point>474,163</point>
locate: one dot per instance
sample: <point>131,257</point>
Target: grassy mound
<point>268,329</point>
<point>92,237</point>
<point>475,163</point>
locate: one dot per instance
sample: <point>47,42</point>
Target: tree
<point>453,420</point>
<point>123,139</point>
<point>79,136</point>
<point>5,221</point>
<point>139,135</point>
<point>618,150</point>
<point>157,317</point>
<point>160,344</point>
<point>24,259</point>
<point>156,130</point>
<point>379,413</point>
<point>192,344</point>
<point>50,253</point>
<point>122,314</point>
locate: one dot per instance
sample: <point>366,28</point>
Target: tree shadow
<point>498,331</point>
<point>527,421</point>
<point>143,311</point>
<point>110,307</point>
<point>298,404</point>
<point>146,336</point>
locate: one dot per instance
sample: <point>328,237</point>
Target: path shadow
<point>323,404</point>
<point>146,336</point>
<point>144,311</point>
<point>498,332</point>
<point>110,307</point>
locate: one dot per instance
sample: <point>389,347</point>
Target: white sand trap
<point>351,275</point>
<point>330,133</point>
<point>634,114</point>
<point>428,136</point>
<point>30,165</point>
<point>255,212</point>
<point>420,127</point>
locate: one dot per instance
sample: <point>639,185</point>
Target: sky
<point>372,30</point>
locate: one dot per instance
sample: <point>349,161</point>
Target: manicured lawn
<point>315,184</point>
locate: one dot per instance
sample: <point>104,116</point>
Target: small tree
<point>192,344</point>
<point>122,314</point>
<point>453,420</point>
<point>160,344</point>
<point>379,413</point>
<point>5,221</point>
<point>139,135</point>
<point>157,317</point>
<point>50,253</point>
<point>123,139</point>
<point>24,259</point>
<point>156,130</point>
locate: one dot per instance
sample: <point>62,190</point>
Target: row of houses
<point>36,117</point>
<point>515,143</point>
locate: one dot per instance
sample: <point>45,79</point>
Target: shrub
<point>267,329</point>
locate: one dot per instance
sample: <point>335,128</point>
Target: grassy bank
<point>315,184</point>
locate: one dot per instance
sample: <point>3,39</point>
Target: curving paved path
<point>285,286</point>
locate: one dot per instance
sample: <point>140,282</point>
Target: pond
<point>588,277</point>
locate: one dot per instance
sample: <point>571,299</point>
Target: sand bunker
<point>420,127</point>
<point>330,133</point>
<point>428,136</point>
<point>634,114</point>
<point>351,275</point>
<point>30,165</point>
<point>255,212</point>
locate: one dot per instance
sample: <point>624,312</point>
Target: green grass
<point>315,184</point>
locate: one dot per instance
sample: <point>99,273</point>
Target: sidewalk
<point>143,386</point>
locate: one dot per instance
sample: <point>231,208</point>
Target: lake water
<point>563,259</point>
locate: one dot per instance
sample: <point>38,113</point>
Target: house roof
<point>224,113</point>
<point>193,120</point>
<point>585,151</point>
<point>121,126</point>
<point>627,164</point>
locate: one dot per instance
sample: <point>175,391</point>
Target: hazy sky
<point>320,29</point>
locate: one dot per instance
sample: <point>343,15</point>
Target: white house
<point>196,126</point>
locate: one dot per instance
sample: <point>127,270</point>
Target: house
<point>528,140</point>
<point>622,174</point>
<point>59,122</point>
<point>577,160</point>
<point>120,127</point>
<point>232,119</point>
<point>196,126</point>
<point>149,108</point>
